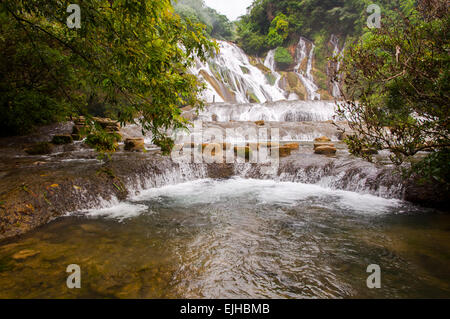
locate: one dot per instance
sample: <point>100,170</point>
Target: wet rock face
<point>427,194</point>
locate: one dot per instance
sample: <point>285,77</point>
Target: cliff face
<point>234,77</point>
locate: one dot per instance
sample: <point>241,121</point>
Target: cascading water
<point>281,111</point>
<point>231,77</point>
<point>269,62</point>
<point>305,74</point>
<point>337,52</point>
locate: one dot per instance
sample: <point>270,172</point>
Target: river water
<point>236,238</point>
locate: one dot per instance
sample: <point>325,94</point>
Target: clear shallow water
<point>236,239</point>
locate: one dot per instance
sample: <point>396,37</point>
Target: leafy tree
<point>278,31</point>
<point>132,55</point>
<point>396,90</point>
<point>250,41</point>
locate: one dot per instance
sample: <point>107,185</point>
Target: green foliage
<point>397,88</point>
<point>282,22</point>
<point>250,41</point>
<point>278,31</point>
<point>217,25</point>
<point>283,58</point>
<point>134,56</point>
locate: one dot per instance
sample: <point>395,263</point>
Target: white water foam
<point>120,211</point>
<point>281,111</point>
<point>209,191</point>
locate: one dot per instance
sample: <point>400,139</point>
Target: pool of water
<point>235,238</point>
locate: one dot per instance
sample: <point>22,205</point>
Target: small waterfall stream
<point>337,52</point>
<point>303,73</point>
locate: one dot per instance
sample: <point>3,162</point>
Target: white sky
<point>231,8</point>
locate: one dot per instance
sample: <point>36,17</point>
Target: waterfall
<point>337,52</point>
<point>281,111</point>
<point>269,62</point>
<point>305,75</point>
<point>231,77</point>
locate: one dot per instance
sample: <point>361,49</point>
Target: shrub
<point>283,58</point>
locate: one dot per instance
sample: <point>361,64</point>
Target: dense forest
<point>273,23</point>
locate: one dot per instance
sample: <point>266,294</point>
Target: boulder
<point>62,139</point>
<point>134,144</point>
<point>325,150</point>
<point>108,124</point>
<point>292,146</point>
<point>260,123</point>
<point>322,139</point>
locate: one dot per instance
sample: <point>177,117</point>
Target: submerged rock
<point>24,254</point>
<point>134,144</point>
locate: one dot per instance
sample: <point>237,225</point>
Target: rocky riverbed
<point>34,189</point>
